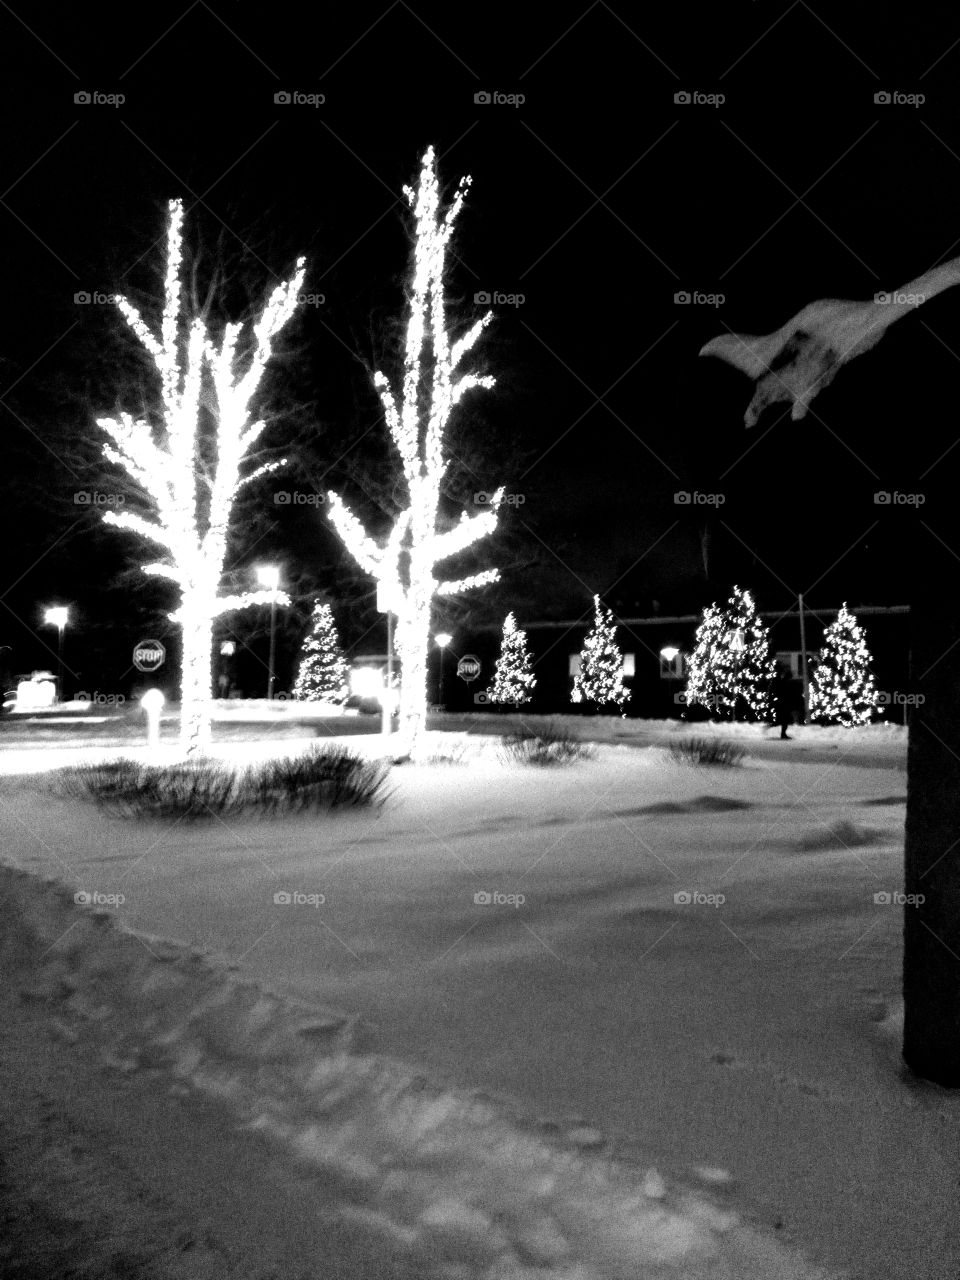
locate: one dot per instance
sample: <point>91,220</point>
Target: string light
<point>190,498</point>
<point>405,564</point>
<point>842,689</point>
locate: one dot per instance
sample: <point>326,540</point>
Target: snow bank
<point>496,1198</point>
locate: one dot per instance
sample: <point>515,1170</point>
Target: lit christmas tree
<point>513,678</point>
<point>711,668</point>
<point>842,690</point>
<point>600,678</point>
<point>188,476</point>
<point>405,563</point>
<point>731,668</point>
<point>323,668</point>
<point>754,667</point>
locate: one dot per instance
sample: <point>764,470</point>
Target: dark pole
<point>273,643</point>
<point>803,660</point>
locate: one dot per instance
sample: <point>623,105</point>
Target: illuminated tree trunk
<point>931,935</point>
<point>186,463</point>
<point>416,420</point>
<point>197,679</point>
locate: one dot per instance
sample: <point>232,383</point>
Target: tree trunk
<point>197,679</point>
<point>413,635</point>
<point>931,960</point>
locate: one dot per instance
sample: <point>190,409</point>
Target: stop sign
<point>468,668</point>
<point>148,655</point>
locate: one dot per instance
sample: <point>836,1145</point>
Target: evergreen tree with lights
<point>711,668</point>
<point>754,667</point>
<point>513,678</point>
<point>186,461</point>
<point>404,562</point>
<point>323,668</point>
<point>842,689</point>
<point>730,670</point>
<point>600,678</point>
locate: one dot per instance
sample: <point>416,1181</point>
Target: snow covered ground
<point>684,968</point>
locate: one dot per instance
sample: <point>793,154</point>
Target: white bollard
<point>152,703</point>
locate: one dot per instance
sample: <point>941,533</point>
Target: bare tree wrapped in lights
<point>842,690</point>
<point>405,564</point>
<point>188,463</point>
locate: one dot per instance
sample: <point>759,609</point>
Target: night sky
<point>598,198</point>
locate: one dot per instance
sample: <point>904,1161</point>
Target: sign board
<point>468,668</point>
<point>149,655</point>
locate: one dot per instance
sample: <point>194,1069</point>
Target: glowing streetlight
<point>268,575</point>
<point>57,616</point>
<point>442,640</point>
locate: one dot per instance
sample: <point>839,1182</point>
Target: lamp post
<point>442,640</point>
<point>268,575</point>
<point>56,616</point>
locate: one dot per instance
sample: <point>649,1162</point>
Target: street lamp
<point>56,616</point>
<point>442,640</point>
<point>268,575</point>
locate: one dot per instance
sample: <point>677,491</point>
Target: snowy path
<point>758,1035</point>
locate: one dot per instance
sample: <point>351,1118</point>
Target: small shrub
<point>319,778</point>
<point>452,755</point>
<point>549,746</point>
<point>707,751</point>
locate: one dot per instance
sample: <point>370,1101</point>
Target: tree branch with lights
<point>189,489</point>
<point>405,563</point>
